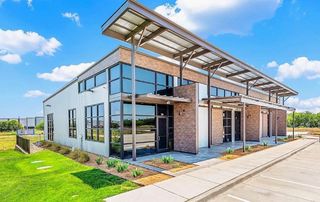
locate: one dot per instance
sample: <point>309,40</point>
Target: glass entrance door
<point>237,126</point>
<point>227,126</point>
<point>162,134</point>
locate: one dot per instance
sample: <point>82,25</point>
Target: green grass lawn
<point>66,180</point>
<point>8,140</point>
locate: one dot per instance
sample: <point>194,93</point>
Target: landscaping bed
<point>230,154</point>
<point>289,138</point>
<point>170,164</point>
<point>131,172</point>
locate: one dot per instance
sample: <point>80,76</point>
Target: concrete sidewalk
<point>196,184</point>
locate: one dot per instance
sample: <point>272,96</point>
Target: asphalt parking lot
<point>294,179</point>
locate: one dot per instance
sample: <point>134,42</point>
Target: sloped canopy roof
<point>160,35</point>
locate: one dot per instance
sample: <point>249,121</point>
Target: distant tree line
<point>304,119</point>
<point>9,126</point>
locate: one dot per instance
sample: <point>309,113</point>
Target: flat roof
<point>160,35</point>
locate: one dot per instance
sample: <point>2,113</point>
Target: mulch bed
<point>239,152</point>
<point>148,176</point>
<point>175,166</point>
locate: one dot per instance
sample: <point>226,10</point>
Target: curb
<point>231,183</point>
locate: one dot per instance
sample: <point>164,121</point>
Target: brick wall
<point>186,120</point>
<point>282,122</point>
<point>217,126</point>
<point>253,122</point>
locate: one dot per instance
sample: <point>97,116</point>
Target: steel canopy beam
<point>138,29</point>
<point>153,35</point>
<point>262,84</point>
<point>186,51</point>
<point>237,73</point>
<point>252,79</point>
<point>197,54</point>
<point>271,88</point>
<point>215,63</point>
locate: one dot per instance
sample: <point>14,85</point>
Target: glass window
<point>95,123</point>
<point>220,92</point>
<point>72,123</point>
<point>227,93</point>
<point>115,108</point>
<point>81,87</point>
<point>114,72</point>
<point>115,87</point>
<point>214,91</point>
<point>89,83</point>
<point>127,87</point>
<point>144,88</point>
<point>145,75</point>
<point>115,122</point>
<point>101,78</point>
<point>126,71</point>
<point>140,109</point>
<point>161,79</point>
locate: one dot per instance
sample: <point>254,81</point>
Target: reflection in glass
<point>115,87</point>
<point>115,72</point>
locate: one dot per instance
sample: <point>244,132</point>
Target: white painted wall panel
<point>203,126</point>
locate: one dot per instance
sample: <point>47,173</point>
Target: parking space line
<point>238,198</point>
<point>292,182</point>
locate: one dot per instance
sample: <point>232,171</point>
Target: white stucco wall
<point>203,126</point>
<point>69,98</point>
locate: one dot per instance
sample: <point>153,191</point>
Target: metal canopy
<point>243,99</point>
<point>158,99</point>
<point>160,35</point>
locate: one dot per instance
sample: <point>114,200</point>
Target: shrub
<point>64,150</point>
<point>112,162</point>
<point>136,172</point>
<point>121,167</point>
<point>247,148</point>
<point>229,150</point>
<point>55,147</point>
<point>265,143</point>
<point>40,126</point>
<point>74,154</point>
<point>10,125</point>
<point>83,157</point>
<point>167,159</point>
<point>99,160</point>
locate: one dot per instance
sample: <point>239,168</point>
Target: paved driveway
<point>294,179</point>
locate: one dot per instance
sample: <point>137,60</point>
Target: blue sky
<point>281,38</point>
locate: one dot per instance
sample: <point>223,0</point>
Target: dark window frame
<point>50,126</point>
<point>72,117</point>
<point>94,81</point>
<point>96,118</point>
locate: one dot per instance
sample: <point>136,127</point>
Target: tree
<point>40,125</point>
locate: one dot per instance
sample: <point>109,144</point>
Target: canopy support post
<point>293,124</point>
<point>244,127</point>
<point>209,109</point>
<point>181,69</point>
<point>276,128</point>
<point>133,95</point>
<point>247,89</point>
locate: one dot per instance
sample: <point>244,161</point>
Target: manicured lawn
<point>8,140</point>
<point>22,180</point>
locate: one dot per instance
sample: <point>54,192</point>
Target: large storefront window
<point>219,92</point>
<point>147,81</point>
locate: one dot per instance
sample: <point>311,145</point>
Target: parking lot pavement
<point>294,179</point>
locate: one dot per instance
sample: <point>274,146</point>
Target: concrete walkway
<point>196,184</point>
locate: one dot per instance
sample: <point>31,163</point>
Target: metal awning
<point>243,99</point>
<point>160,35</point>
<point>157,99</point>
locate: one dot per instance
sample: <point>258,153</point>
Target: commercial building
<point>130,103</point>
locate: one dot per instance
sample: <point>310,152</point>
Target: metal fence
<point>23,144</point>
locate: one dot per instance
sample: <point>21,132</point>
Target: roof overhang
<point>157,99</point>
<point>242,99</point>
<point>160,35</point>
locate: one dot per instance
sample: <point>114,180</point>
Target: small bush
<point>74,154</point>
<point>64,150</point>
<point>167,159</point>
<point>55,147</point>
<point>83,157</point>
<point>121,167</point>
<point>112,162</point>
<point>136,172</point>
<point>99,160</point>
<point>247,148</point>
<point>229,150</point>
<point>265,143</point>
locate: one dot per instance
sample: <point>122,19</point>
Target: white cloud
<point>272,64</point>
<point>75,17</point>
<point>19,42</point>
<point>10,58</point>
<point>299,67</point>
<point>35,93</point>
<point>302,105</point>
<point>64,73</point>
<point>219,17</point>
<point>1,2</point>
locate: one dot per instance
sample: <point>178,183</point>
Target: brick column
<point>186,135</point>
<point>253,116</point>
